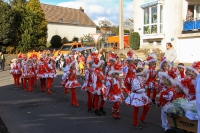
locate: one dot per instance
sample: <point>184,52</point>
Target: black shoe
<point>153,101</point>
<point>138,126</point>
<point>143,123</point>
<point>90,110</point>
<point>97,113</point>
<point>102,111</point>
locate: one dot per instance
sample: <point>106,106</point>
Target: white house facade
<point>164,21</point>
<point>67,22</point>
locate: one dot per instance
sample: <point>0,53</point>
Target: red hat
<point>20,56</point>
<point>47,59</point>
<point>97,62</point>
<point>113,57</point>
<point>129,56</point>
<point>163,60</point>
<point>117,69</point>
<point>170,76</point>
<point>91,57</point>
<point>41,58</point>
<point>150,59</point>
<point>173,73</point>
<point>195,66</point>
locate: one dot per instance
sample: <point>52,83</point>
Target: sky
<point>97,9</point>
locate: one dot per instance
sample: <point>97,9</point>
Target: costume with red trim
<point>129,71</point>
<point>138,98</point>
<point>41,73</point>
<point>114,91</point>
<point>188,83</point>
<point>72,82</point>
<point>98,87</point>
<point>16,71</point>
<point>28,73</point>
<point>65,76</point>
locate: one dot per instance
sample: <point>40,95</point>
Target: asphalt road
<point>38,112</point>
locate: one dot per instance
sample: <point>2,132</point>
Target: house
<point>162,21</point>
<point>128,24</point>
<point>67,22</point>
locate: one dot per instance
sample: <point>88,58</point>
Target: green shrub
<point>134,40</point>
<point>56,41</point>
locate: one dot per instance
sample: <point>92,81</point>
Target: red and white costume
<point>41,73</point>
<point>88,83</point>
<point>65,76</point>
<point>28,73</point>
<point>129,71</point>
<point>151,82</point>
<point>98,87</point>
<point>35,68</point>
<point>138,98</point>
<point>50,74</point>
<point>182,94</point>
<point>15,71</point>
<point>166,95</point>
<point>114,91</point>
<point>181,74</point>
<point>189,89</point>
<point>72,82</point>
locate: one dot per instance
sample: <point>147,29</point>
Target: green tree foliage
<point>134,40</point>
<point>6,25</point>
<point>39,24</point>
<point>56,41</point>
<point>126,31</point>
<point>64,40</point>
<point>114,29</point>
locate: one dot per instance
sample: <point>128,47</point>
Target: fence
<point>191,25</point>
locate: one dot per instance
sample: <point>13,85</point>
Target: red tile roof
<point>64,15</point>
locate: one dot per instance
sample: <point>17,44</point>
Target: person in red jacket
<point>166,95</point>
<point>114,89</point>
<point>72,82</point>
<point>181,69</point>
<point>151,82</point>
<point>50,74</point>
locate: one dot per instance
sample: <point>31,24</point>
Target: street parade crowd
<point>136,86</point>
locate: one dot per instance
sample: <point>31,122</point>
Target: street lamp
<point>121,25</point>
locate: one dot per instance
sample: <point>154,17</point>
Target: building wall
<point>68,31</point>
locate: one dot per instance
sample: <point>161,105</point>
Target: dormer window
<point>61,20</point>
<point>72,21</point>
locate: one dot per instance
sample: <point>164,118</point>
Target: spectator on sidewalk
<point>170,54</point>
<point>152,53</point>
<point>2,61</point>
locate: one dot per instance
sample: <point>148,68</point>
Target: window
<point>153,22</point>
<point>61,20</point>
<point>66,47</point>
<point>72,21</point>
<point>198,11</point>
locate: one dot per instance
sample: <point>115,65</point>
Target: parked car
<point>82,49</point>
<point>67,48</point>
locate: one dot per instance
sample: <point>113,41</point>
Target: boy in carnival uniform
<point>138,98</point>
<point>16,71</point>
<point>166,95</point>
<point>151,82</point>
<point>114,90</point>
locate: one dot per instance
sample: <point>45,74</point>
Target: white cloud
<point>101,9</point>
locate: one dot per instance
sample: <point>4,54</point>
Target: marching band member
<point>151,82</point>
<point>35,68</point>
<point>166,95</point>
<point>114,90</point>
<point>129,70</point>
<point>138,98</point>
<point>65,75</point>
<point>98,88</point>
<point>50,74</point>
<point>72,82</point>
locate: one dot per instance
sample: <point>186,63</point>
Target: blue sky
<point>97,9</point>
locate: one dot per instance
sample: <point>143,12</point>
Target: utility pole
<point>121,24</point>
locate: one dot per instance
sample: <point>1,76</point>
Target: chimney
<point>81,9</point>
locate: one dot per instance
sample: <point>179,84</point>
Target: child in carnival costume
<point>28,73</point>
<point>72,82</point>
<point>41,72</point>
<point>114,90</point>
<point>181,70</point>
<point>65,75</point>
<point>129,70</point>
<point>50,74</point>
<point>151,82</point>
<point>138,98</point>
<point>166,95</point>
<point>88,80</point>
<point>98,88</point>
<point>15,71</point>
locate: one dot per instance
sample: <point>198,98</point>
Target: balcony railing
<point>191,25</point>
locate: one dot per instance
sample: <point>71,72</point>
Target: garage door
<point>189,50</point>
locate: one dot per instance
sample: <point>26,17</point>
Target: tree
<point>6,25</point>
<point>105,23</point>
<point>64,40</point>
<point>134,40</point>
<point>56,41</point>
<point>114,29</point>
<point>39,24</point>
